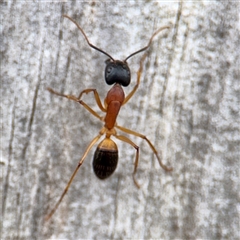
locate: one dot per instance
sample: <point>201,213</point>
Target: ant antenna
<point>100,50</point>
<point>91,45</point>
<point>149,43</point>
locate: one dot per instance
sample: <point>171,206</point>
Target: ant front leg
<point>139,73</point>
<point>96,95</point>
<point>78,99</point>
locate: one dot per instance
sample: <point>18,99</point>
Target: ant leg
<point>97,98</point>
<point>73,98</point>
<point>126,130</point>
<point>74,173</point>
<point>141,63</point>
<point>139,73</point>
<point>127,140</point>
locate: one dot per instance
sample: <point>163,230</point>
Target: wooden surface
<point>187,104</point>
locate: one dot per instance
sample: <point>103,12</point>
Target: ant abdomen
<point>105,158</point>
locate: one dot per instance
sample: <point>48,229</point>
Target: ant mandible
<point>106,155</point>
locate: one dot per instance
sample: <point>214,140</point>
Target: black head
<point>117,72</point>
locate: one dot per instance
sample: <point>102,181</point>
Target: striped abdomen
<point>105,158</point>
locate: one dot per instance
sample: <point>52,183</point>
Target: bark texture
<point>187,104</point>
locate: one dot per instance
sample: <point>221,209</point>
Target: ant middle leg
<point>126,130</point>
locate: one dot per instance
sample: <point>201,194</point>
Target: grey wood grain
<point>187,104</point>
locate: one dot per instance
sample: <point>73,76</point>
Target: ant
<point>106,155</point>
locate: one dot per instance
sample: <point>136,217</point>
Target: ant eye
<point>109,69</point>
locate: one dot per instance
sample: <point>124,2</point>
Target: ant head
<point>117,72</point>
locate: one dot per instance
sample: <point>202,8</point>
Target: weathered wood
<point>187,104</point>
